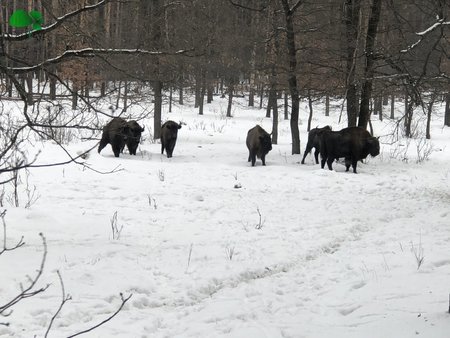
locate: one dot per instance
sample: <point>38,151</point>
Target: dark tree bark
<point>408,115</point>
<point>180,96</point>
<point>209,95</point>
<point>286,106</point>
<point>392,107</point>
<point>291,73</point>
<point>327,105</point>
<point>275,120</point>
<point>447,110</point>
<point>157,89</point>
<point>74,96</point>
<point>170,98</point>
<point>52,88</point>
<point>351,17</point>
<point>429,111</point>
<point>251,97</point>
<point>261,96</point>
<point>230,98</point>
<point>310,111</point>
<point>366,93</point>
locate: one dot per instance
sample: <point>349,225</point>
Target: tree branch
<point>124,300</point>
<point>59,22</point>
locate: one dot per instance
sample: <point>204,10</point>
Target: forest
<point>363,52</point>
<point>68,67</point>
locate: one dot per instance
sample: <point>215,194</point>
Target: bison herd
<point>353,143</point>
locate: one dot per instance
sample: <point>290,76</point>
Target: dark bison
<point>314,142</point>
<point>353,144</point>
<point>116,133</point>
<point>169,133</point>
<point>259,144</point>
<point>134,137</point>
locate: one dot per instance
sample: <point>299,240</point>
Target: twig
<point>64,299</point>
<point>124,300</point>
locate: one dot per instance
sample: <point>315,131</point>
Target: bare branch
<point>261,9</point>
<point>90,52</point>
<point>59,21</point>
<point>424,33</point>
<point>28,291</point>
<point>5,248</point>
<point>124,300</point>
<point>64,299</point>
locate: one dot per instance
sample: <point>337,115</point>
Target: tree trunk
<point>209,95</point>
<point>392,107</point>
<point>447,110</point>
<point>74,96</point>
<point>310,111</point>
<point>286,106</point>
<point>52,88</point>
<point>261,96</point>
<point>119,93</point>
<point>170,98</point>
<point>429,111</point>
<point>125,96</point>
<point>251,97</point>
<point>366,93</point>
<point>327,105</point>
<point>29,81</point>
<point>230,98</point>
<point>157,88</point>
<point>408,116</point>
<point>275,120</point>
<point>292,77</point>
<point>351,16</point>
<point>202,96</point>
<point>197,91</point>
<point>180,97</point>
<point>103,89</point>
<point>378,107</point>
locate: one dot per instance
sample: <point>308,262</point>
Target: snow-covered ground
<point>212,247</point>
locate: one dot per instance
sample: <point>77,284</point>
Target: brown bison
<point>169,133</point>
<point>259,144</point>
<point>116,133</point>
<point>353,144</point>
<point>314,142</point>
<point>135,132</point>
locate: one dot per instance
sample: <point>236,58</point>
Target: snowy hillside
<point>209,246</point>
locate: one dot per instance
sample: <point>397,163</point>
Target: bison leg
<point>103,143</point>
<point>263,159</point>
<point>330,163</point>
<point>253,156</point>
<point>322,162</point>
<point>249,156</point>
<point>170,147</point>
<point>307,150</point>
<point>354,163</point>
<point>348,162</point>
<point>316,155</point>
<point>162,147</point>
<point>116,150</point>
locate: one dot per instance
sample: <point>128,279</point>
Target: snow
<point>209,246</point>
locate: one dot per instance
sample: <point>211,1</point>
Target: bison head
<point>135,131</point>
<point>373,146</point>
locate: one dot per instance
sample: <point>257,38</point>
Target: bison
<point>169,133</point>
<point>116,133</point>
<point>259,144</point>
<point>132,141</point>
<point>314,142</point>
<point>353,144</point>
